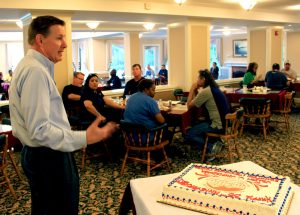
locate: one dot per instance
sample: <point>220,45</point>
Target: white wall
<point>227,49</point>
<point>100,55</point>
<point>293,50</point>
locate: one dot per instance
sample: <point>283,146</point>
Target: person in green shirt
<point>250,78</point>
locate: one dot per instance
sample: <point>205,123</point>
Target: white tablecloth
<point>146,192</point>
<point>4,103</point>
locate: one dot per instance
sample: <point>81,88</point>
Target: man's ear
<point>39,39</point>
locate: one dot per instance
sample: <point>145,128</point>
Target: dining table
<point>145,192</point>
<point>276,96</point>
<point>4,103</point>
<point>178,115</point>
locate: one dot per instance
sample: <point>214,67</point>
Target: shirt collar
<point>42,59</point>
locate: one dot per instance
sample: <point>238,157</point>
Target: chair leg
<point>264,129</point>
<point>286,121</point>
<point>83,157</point>
<point>148,164</point>
<point>10,154</point>
<point>107,151</point>
<point>204,150</point>
<point>10,187</point>
<point>242,128</point>
<point>239,154</point>
<point>228,142</point>
<point>166,158</point>
<point>124,162</point>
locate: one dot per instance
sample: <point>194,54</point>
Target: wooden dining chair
<point>88,153</point>
<point>229,136</point>
<point>256,114</point>
<point>10,151</point>
<point>139,139</point>
<point>4,164</point>
<point>285,110</point>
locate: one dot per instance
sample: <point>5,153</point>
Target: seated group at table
<point>162,75</point>
<point>275,79</point>
<point>142,109</point>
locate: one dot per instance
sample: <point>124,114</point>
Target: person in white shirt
<point>290,73</point>
<point>40,122</point>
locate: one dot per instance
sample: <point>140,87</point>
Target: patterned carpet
<point>102,186</point>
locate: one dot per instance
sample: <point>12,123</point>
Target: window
<point>215,51</point>
<point>151,57</point>
<point>117,59</point>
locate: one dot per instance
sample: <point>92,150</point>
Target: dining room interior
<point>187,36</point>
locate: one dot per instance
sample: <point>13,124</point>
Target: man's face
<point>79,79</point>
<point>136,71</point>
<point>54,44</point>
<point>287,66</point>
<point>151,91</point>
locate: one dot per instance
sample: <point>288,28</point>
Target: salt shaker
<point>170,104</point>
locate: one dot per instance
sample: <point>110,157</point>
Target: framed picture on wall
<point>239,48</point>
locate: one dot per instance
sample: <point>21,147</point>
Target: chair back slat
<point>256,106</point>
<point>231,123</point>
<point>139,136</point>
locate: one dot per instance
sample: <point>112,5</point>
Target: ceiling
<point>124,16</point>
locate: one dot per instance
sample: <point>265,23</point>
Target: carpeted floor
<point>102,186</point>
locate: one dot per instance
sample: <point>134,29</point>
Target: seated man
<point>71,94</point>
<point>290,73</point>
<point>114,82</point>
<point>131,86</point>
<point>275,79</point>
<point>141,108</point>
<point>217,106</point>
<point>149,73</point>
<point>163,74</point>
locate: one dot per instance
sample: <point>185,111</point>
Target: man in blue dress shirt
<point>40,122</point>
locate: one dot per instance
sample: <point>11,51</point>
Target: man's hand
<point>95,134</point>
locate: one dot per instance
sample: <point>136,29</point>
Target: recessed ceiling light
<point>226,33</point>
<point>149,26</point>
<point>247,4</point>
<point>93,25</point>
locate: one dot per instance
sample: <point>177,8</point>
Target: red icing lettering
<point>262,199</point>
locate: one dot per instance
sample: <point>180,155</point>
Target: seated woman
<point>94,102</point>
<point>250,77</point>
<point>215,103</point>
<point>141,108</point>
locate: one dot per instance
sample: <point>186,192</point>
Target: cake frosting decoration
<point>217,190</point>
